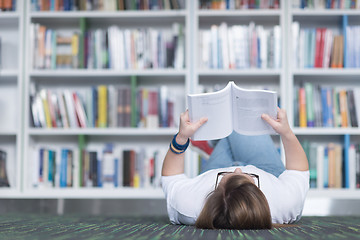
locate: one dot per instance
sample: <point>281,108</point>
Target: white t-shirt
<point>186,197</point>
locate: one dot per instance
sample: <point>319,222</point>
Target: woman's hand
<point>281,124</point>
<point>187,128</point>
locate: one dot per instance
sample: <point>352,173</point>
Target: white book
<point>112,109</point>
<point>302,49</point>
<point>263,46</point>
<point>277,47</point>
<point>48,48</point>
<point>327,49</point>
<point>320,167</point>
<point>206,36</point>
<point>232,109</point>
<point>35,166</point>
<point>108,169</point>
<point>223,30</point>
<point>352,167</point>
<point>69,102</point>
<point>214,47</point>
<point>231,48</point>
<point>295,30</point>
<point>357,103</point>
<point>64,116</point>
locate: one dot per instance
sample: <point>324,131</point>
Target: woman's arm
<point>174,163</point>
<point>294,153</point>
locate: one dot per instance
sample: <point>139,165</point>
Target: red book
<point>322,46</point>
<point>80,113</point>
<point>317,48</point>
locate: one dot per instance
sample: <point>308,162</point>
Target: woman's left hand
<point>187,128</point>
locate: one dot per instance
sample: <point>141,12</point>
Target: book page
<point>216,107</point>
<point>248,105</point>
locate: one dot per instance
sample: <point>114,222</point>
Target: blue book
<point>63,167</point>
<point>326,168</point>
<point>41,165</point>
<point>51,166</point>
<point>313,47</point>
<point>324,106</point>
<point>227,4</point>
<point>346,161</point>
<point>99,183</point>
<point>344,26</point>
<point>116,172</point>
<point>329,97</point>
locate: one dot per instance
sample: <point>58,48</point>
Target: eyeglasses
<point>254,176</point>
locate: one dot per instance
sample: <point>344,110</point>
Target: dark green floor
<point>31,226</point>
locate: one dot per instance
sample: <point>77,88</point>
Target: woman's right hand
<point>187,128</point>
<point>281,124</point>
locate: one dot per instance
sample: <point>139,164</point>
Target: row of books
<point>321,106</point>
<point>324,48</point>
<point>104,107</point>
<point>317,47</point>
<point>333,165</point>
<point>114,48</point>
<point>326,4</point>
<point>239,4</point>
<point>104,167</point>
<point>4,182</point>
<point>105,5</point>
<point>7,5</point>
<point>240,46</point>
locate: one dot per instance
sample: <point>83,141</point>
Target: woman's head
<point>237,203</point>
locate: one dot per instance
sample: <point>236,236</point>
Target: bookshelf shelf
<point>111,14</point>
<point>325,12</point>
<point>244,72</point>
<point>9,15</point>
<point>8,73</point>
<point>326,131</point>
<point>100,193</point>
<point>325,72</point>
<point>6,132</point>
<point>334,193</point>
<point>234,13</point>
<point>106,73</point>
<point>109,131</point>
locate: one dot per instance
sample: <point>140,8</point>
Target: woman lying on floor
<point>244,184</point>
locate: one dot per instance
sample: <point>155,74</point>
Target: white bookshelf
<point>11,97</point>
<point>80,78</point>
<point>344,77</point>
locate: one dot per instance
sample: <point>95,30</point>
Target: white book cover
<point>214,47</point>
<point>70,107</point>
<point>277,47</point>
<point>352,167</point>
<point>327,48</point>
<point>357,103</point>
<point>231,48</point>
<point>320,167</point>
<point>232,108</point>
<point>223,29</point>
<point>262,34</point>
<point>295,30</point>
<point>35,166</point>
<point>302,49</point>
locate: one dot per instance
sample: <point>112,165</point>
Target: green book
<point>310,113</point>
<point>82,42</point>
<point>133,101</point>
<point>81,144</point>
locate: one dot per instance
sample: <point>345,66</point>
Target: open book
<point>232,108</point>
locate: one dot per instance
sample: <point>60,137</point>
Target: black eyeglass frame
<point>249,174</point>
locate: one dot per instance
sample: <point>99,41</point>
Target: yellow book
<point>302,108</point>
<point>75,50</point>
<point>46,108</point>
<point>332,170</point>
<point>102,106</point>
<point>136,180</point>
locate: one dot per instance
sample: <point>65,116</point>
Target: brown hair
<point>238,204</point>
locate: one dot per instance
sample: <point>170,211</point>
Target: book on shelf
<point>106,5</point>
<point>333,165</point>
<point>326,48</point>
<point>325,106</point>
<point>108,48</point>
<point>105,106</point>
<point>107,167</point>
<point>326,4</point>
<point>240,47</point>
<point>238,4</point>
<point>7,5</point>
<point>232,109</point>
<point>4,181</point>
